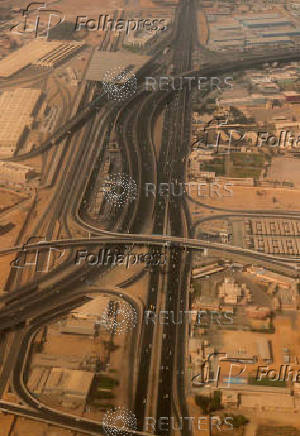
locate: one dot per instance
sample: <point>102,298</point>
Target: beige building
<point>15,174</point>
<point>37,52</point>
<point>28,54</point>
<point>59,54</point>
<point>72,383</point>
<point>16,114</point>
<point>230,291</point>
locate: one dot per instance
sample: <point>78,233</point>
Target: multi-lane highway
<point>37,303</point>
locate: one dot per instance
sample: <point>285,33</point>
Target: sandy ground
<point>285,169</point>
<point>158,132</point>
<point>6,422</point>
<point>202,28</point>
<point>250,198</point>
<point>16,216</point>
<point>25,427</point>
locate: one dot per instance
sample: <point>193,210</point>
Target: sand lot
<point>285,169</point>
<point>251,198</point>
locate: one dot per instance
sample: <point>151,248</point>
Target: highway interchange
<point>29,305</point>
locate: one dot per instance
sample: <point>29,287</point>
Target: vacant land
<point>285,169</point>
<point>264,430</point>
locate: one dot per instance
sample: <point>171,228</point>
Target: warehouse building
<point>59,54</point>
<point>278,40</point>
<point>17,109</point>
<point>286,32</point>
<point>15,174</point>
<point>26,55</point>
<point>104,62</point>
<point>37,52</point>
<point>67,387</point>
<point>262,23</point>
<point>72,383</point>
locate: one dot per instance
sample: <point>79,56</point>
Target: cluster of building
<point>273,236</point>
<point>16,175</point>
<point>229,361</point>
<point>63,377</point>
<point>284,290</point>
<point>230,292</point>
<point>239,29</point>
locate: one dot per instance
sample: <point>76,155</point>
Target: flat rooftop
<point>102,62</point>
<point>26,55</point>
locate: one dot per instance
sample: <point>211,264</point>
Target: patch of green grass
<point>267,382</point>
<point>244,172</point>
<point>247,160</point>
<point>104,395</point>
<point>106,382</point>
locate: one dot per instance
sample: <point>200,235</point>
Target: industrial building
<point>252,31</point>
<point>103,62</point>
<point>59,54</point>
<point>30,53</point>
<point>251,100</point>
<point>72,384</point>
<point>17,108</point>
<point>15,174</point>
<point>264,350</point>
<point>231,292</point>
<point>275,40</point>
<point>261,23</point>
<point>271,277</point>
<point>78,327</point>
<point>274,236</point>
<point>37,52</point>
